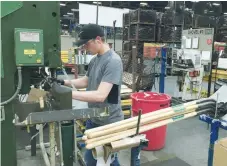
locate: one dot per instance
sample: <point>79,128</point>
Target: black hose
<point>204,111</point>
<point>206,105</point>
<point>205,100</point>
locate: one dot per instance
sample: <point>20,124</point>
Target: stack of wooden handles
<point>119,130</point>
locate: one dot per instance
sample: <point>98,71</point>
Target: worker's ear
<point>98,39</point>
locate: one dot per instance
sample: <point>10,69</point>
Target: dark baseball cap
<point>88,32</point>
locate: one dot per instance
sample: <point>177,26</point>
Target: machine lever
<point>138,123</point>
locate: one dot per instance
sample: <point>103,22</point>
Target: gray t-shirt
<point>107,68</point>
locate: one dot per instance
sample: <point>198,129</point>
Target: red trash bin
<point>149,102</point>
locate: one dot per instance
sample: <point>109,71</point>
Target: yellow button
<point>38,61</point>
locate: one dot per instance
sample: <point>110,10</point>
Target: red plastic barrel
<point>149,102</point>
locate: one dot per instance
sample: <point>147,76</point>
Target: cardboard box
<point>220,153</point>
<point>35,94</point>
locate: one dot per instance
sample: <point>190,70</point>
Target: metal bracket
<point>2,113</point>
<point>65,115</point>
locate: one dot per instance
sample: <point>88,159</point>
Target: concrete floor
<point>187,140</point>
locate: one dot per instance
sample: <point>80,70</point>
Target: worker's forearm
<point>88,96</point>
<point>78,83</point>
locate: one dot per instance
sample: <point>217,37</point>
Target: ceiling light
<point>65,15</point>
<point>75,10</point>
<point>62,4</point>
<point>211,11</point>
<point>143,3</point>
<point>70,13</point>
<point>97,2</point>
<point>225,13</point>
<point>167,7</point>
<point>216,4</point>
<point>65,25</point>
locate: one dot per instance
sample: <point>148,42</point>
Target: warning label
<point>29,52</point>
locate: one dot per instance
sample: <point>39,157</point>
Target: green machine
<point>30,40</point>
<point>30,45</point>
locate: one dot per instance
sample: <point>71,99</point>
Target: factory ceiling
<point>69,9</point>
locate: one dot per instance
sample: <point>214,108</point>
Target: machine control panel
<point>29,47</point>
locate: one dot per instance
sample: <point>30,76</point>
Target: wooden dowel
<point>101,128</point>
<point>84,138</point>
<point>143,121</point>
<point>88,141</point>
<point>131,132</point>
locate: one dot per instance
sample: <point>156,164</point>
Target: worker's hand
<point>59,81</point>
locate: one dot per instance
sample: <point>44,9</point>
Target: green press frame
<point>27,15</point>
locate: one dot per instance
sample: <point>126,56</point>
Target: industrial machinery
<point>29,43</point>
<point>30,55</point>
<point>194,61</point>
<point>60,117</point>
<point>187,59</point>
<point>189,68</point>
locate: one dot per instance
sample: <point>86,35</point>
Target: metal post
<point>210,76</point>
<point>97,13</point>
<point>42,146</point>
<point>183,17</point>
<point>134,67</point>
<point>213,137</point>
<point>33,141</point>
<point>52,143</point>
<point>162,74</point>
<point>75,143</point>
<point>114,24</point>
<point>215,125</point>
<point>74,19</point>
<point>135,152</point>
<point>135,156</point>
<point>60,142</point>
<point>68,144</point>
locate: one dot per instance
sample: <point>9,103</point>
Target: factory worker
<point>102,81</point>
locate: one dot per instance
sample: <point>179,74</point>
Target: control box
<point>29,49</point>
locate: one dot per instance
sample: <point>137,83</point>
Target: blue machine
<point>216,124</point>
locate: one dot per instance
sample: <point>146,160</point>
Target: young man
<point>103,81</point>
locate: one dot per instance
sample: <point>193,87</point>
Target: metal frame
<point>163,71</point>
<point>63,115</point>
<point>214,131</point>
<point>135,150</point>
<point>52,117</point>
<point>137,38</point>
<point>133,58</point>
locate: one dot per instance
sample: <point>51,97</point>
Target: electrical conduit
<point>18,87</point>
